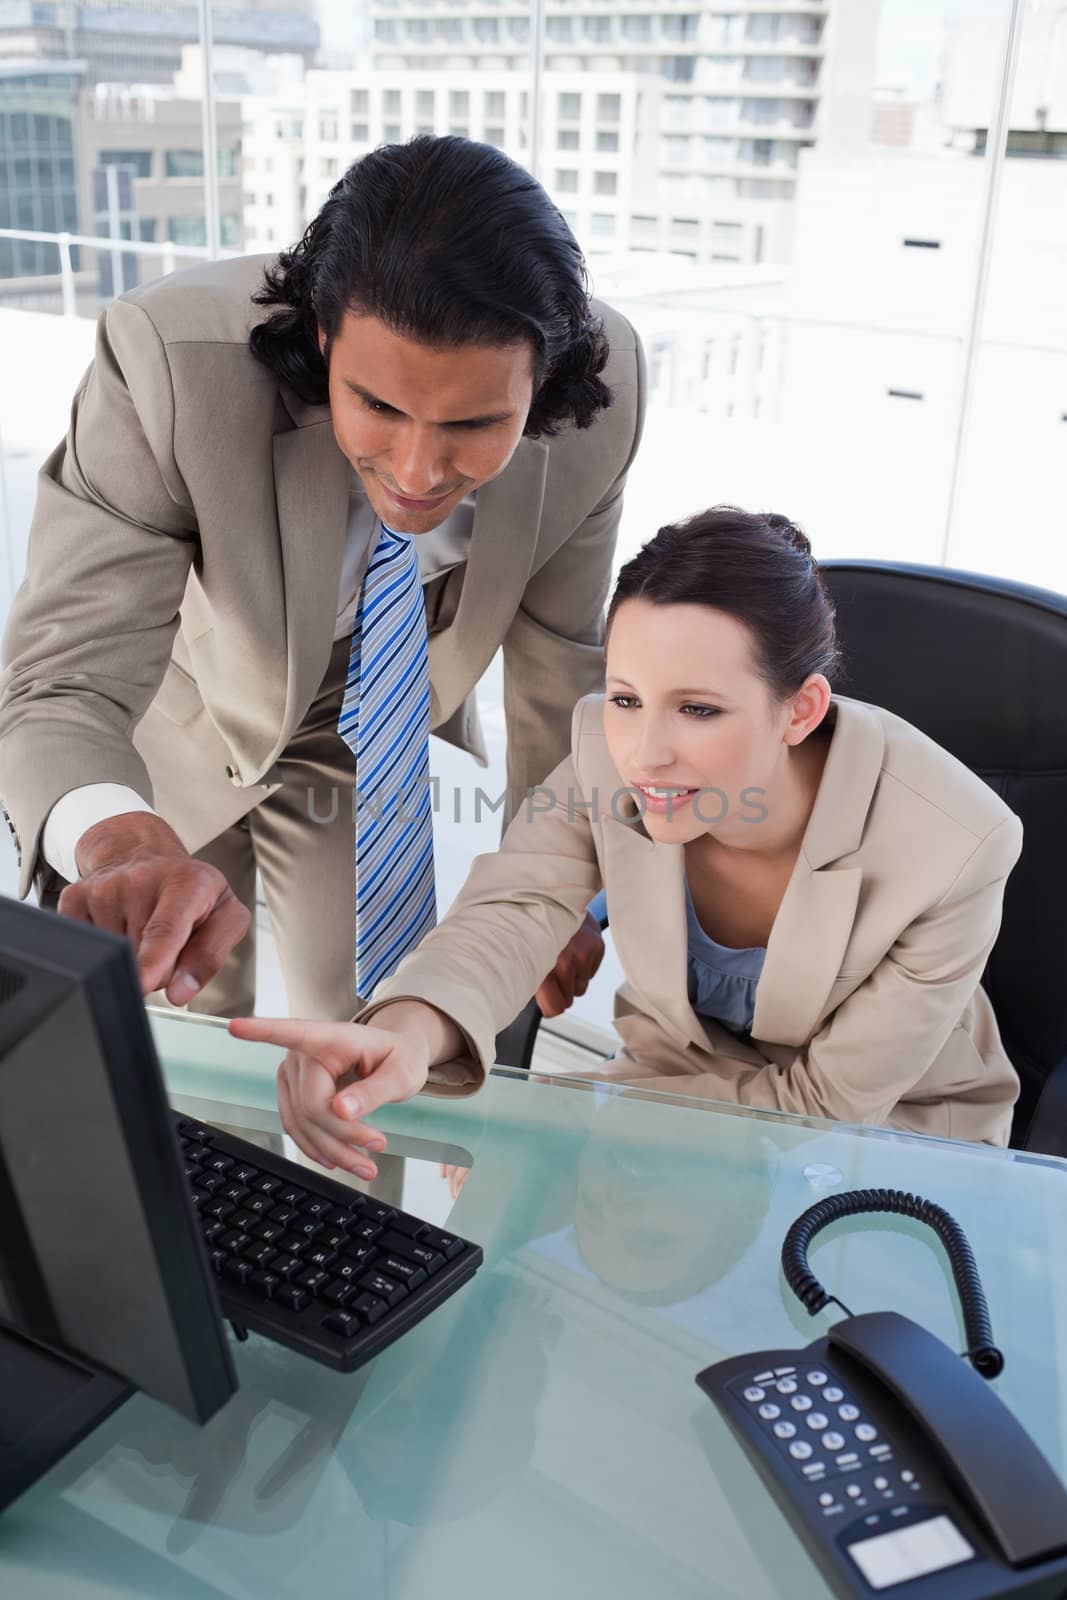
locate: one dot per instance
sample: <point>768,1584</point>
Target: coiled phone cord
<point>981,1351</point>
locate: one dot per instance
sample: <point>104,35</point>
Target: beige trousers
<point>302,840</point>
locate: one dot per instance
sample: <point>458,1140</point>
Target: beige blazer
<point>181,592</point>
<point>869,1007</point>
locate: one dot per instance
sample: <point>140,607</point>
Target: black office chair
<point>979,664</point>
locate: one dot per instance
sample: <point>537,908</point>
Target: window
<point>328,127</point>
<point>360,105</point>
<point>560,30</point>
<point>608,107</point>
<point>250,198</point>
<point>567,181</point>
<point>487,29</point>
<point>607,143</point>
<point>495,103</point>
<point>392,133</point>
<point>495,135</point>
<point>569,107</point>
<point>425,100</point>
<point>605,183</point>
<point>139,160</point>
<point>598,29</point>
<point>603,224</point>
<point>361,132</point>
<point>329,168</point>
<point>391,102</point>
<point>229,231</point>
<point>459,103</point>
<point>183,164</point>
<point>644,227</point>
<point>639,28</point>
<point>685,227</point>
<point>187,230</point>
<point>567,139</point>
<point>726,235</point>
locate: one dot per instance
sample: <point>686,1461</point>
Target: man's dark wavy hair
<point>447,242</point>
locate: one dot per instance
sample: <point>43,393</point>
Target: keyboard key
<point>208,1182</point>
<point>833,1441</point>
<point>260,1204</point>
<point>243,1219</point>
<point>396,1244</point>
<point>217,1208</point>
<point>343,1323</point>
<point>273,1232</point>
<point>402,1271</point>
<point>317,1206</point>
<point>318,1257</point>
<point>258,1253</point>
<point>332,1239</point>
<point>785,1430</point>
<point>218,1259</point>
<point>285,1266</point>
<point>769,1411</point>
<point>219,1163</point>
<point>267,1185</point>
<point>338,1293</point>
<point>244,1174</point>
<point>376,1211</point>
<point>283,1214</point>
<point>295,1244</point>
<point>833,1395</point>
<point>370,1308</point>
<point>233,1239</point>
<point>312,1279</point>
<point>265,1283</point>
<point>238,1271</point>
<point>214,1231</point>
<point>384,1288</point>
<point>449,1247</point>
<point>361,1254</point>
<point>192,1170</point>
<point>800,1449</point>
<point>308,1229</point>
<point>754,1393</point>
<point>290,1195</point>
<point>343,1216</point>
<point>411,1227</point>
<point>349,1270</point>
<point>234,1192</point>
<point>195,1131</point>
<point>291,1296</point>
<point>366,1232</point>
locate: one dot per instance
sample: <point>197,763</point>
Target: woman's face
<point>691,723</point>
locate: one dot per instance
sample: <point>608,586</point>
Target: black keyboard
<point>310,1263</point>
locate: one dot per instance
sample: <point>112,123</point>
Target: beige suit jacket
<point>869,1007</point>
<point>178,609</point>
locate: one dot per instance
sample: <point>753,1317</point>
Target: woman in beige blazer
<point>803,889</point>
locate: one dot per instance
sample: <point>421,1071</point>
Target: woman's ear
<point>322,342</point>
<point>807,708</point>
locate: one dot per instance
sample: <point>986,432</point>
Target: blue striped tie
<point>385,721</point>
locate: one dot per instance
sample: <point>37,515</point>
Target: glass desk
<point>542,1432</point>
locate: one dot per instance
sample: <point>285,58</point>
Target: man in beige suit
<point>178,654</point>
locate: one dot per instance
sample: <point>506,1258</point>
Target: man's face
<point>424,427</point>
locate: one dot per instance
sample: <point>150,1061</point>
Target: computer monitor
<point>104,1284</point>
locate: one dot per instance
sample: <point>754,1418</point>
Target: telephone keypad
<point>849,1450</point>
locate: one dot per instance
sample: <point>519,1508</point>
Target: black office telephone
<point>901,1471</point>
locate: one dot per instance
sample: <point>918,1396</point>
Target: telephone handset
<point>903,1473</point>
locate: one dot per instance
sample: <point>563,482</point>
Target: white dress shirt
<point>439,551</point>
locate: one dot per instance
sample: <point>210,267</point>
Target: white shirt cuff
<point>77,812</point>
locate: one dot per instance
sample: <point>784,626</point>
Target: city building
<point>723,98</point>
<point>142,42</point>
<point>38,171</point>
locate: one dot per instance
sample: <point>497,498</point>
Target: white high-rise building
<point>674,125</point>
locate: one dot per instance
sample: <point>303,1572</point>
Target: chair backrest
<point>980,665</point>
